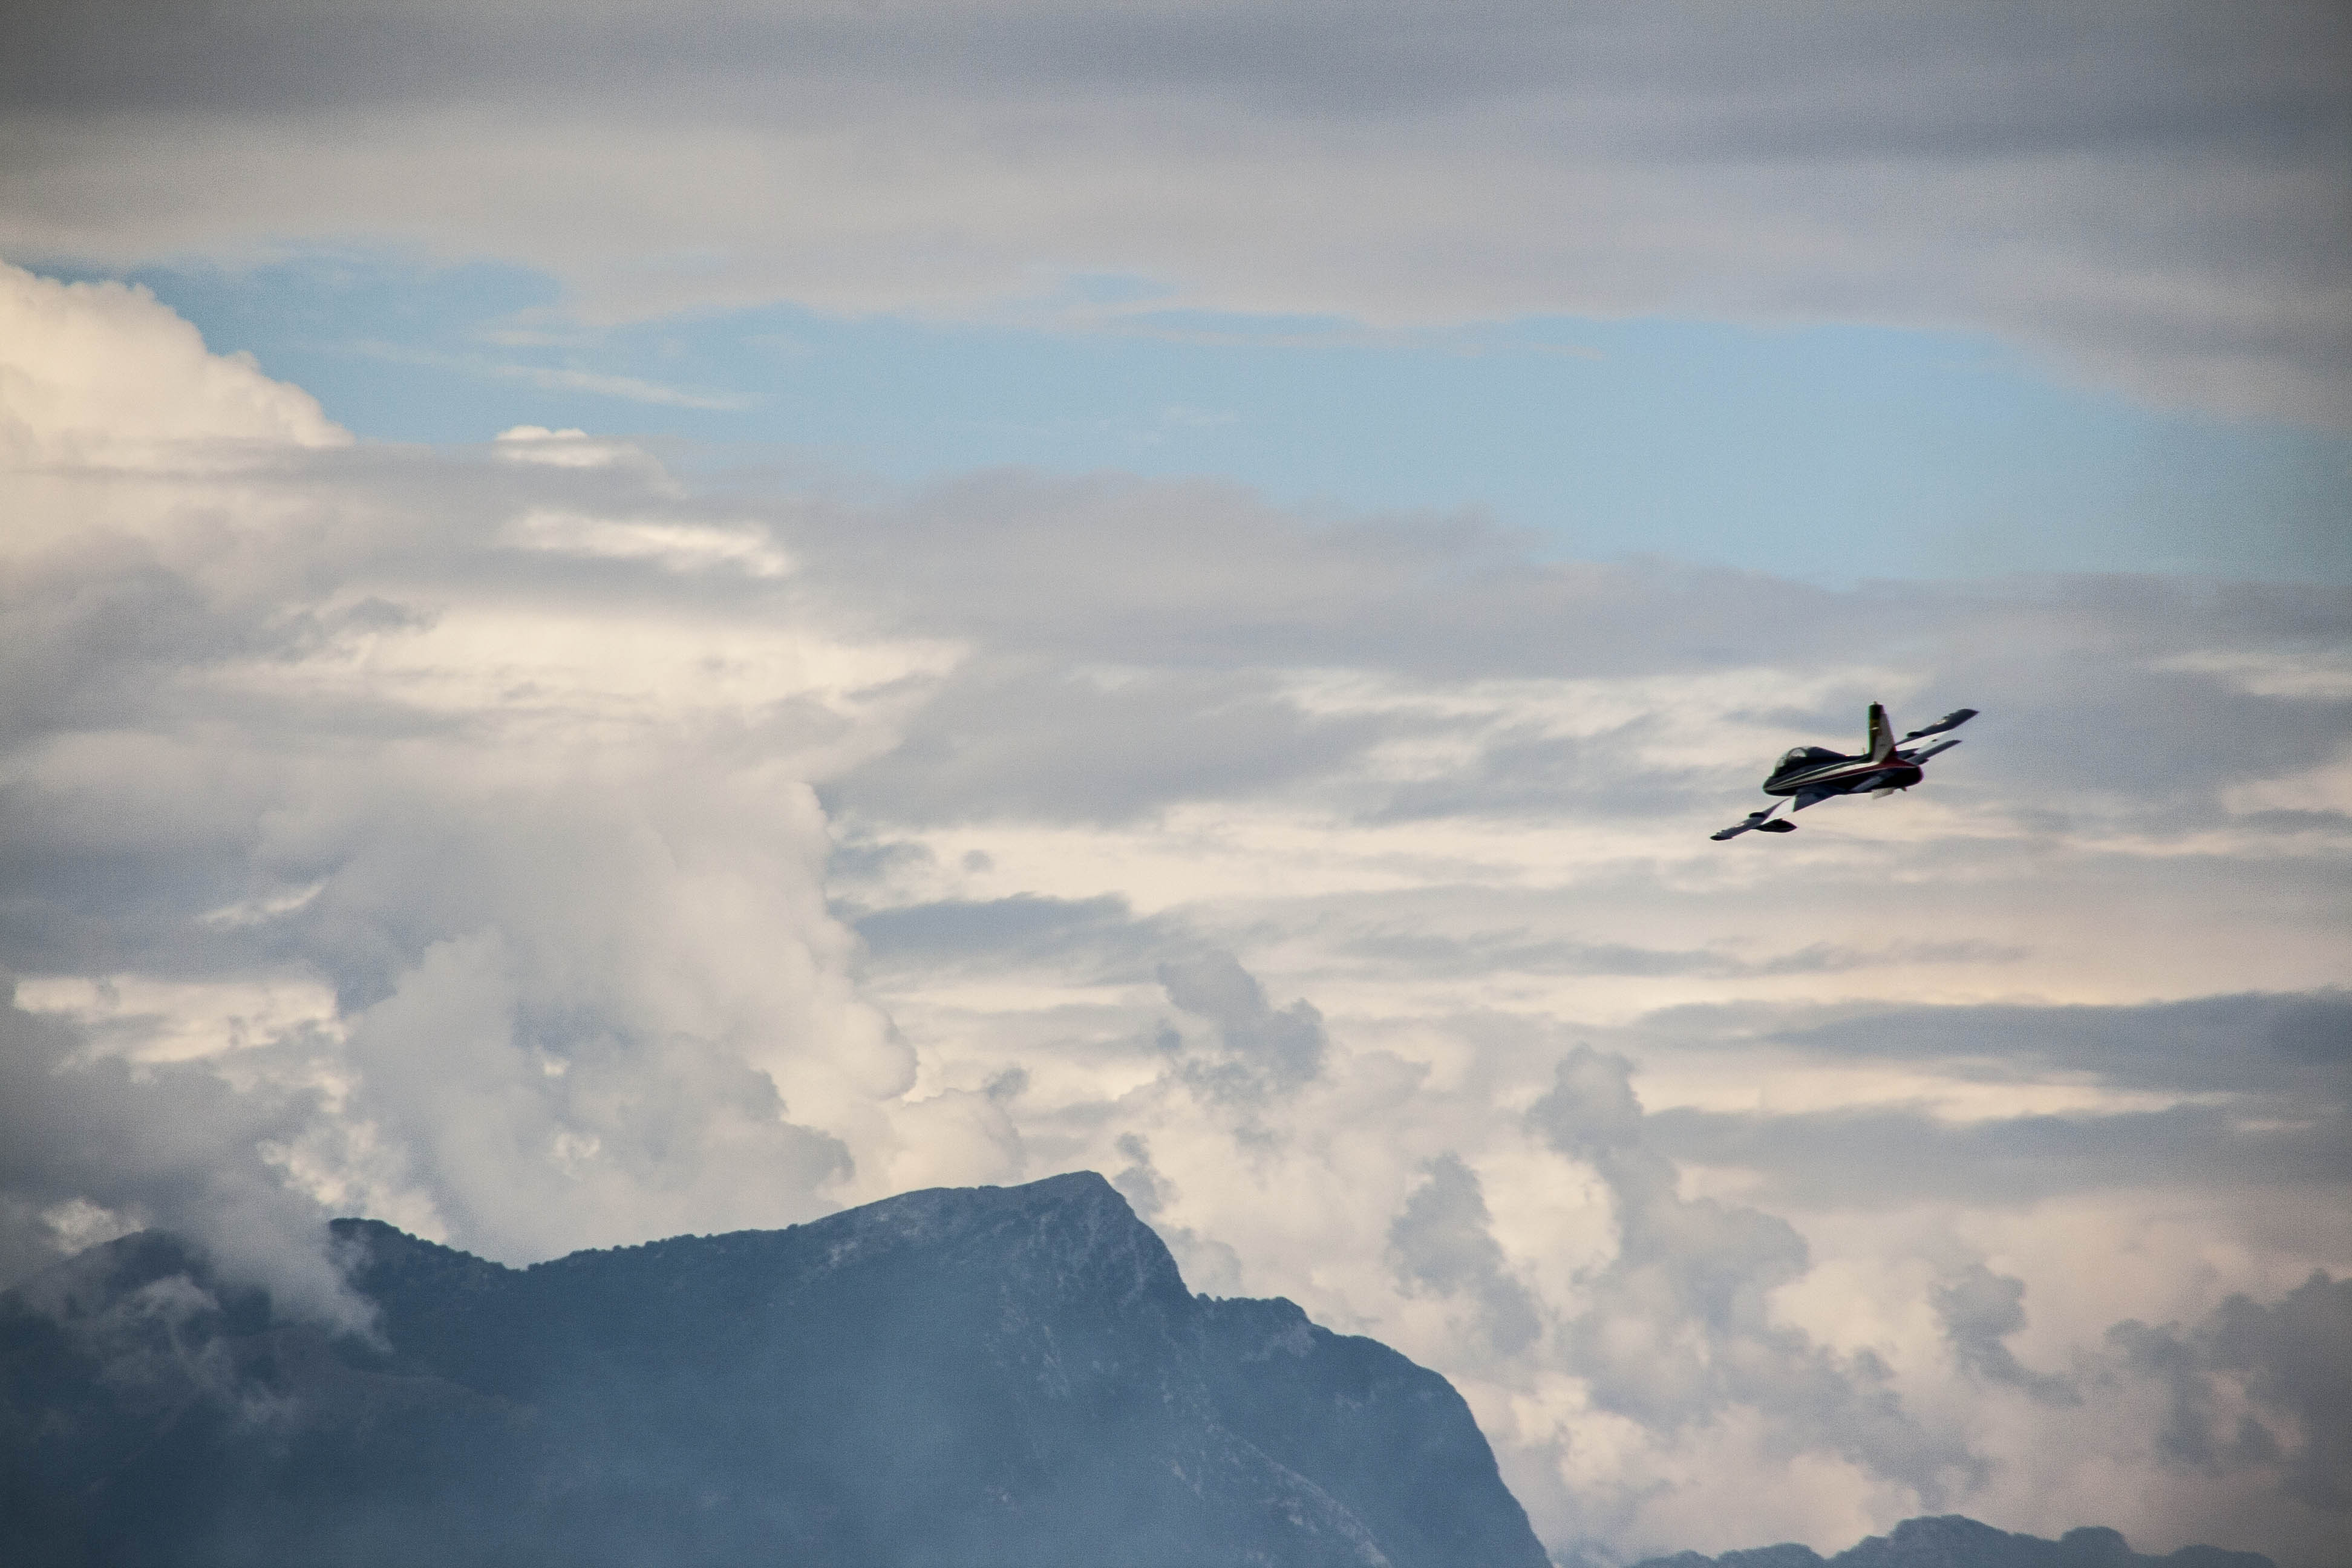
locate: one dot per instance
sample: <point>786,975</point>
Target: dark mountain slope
<point>955,1378</point>
<point>1952,1542</point>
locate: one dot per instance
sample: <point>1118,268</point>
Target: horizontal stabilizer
<point>1922,755</point>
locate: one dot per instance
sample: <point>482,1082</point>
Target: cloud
<point>1979,1309</point>
<point>1860,1157</point>
<point>1441,1242</point>
<point>554,378</point>
<point>1678,1328</point>
<point>679,546</point>
<point>1209,1266</point>
<point>545,845</point>
<point>2264,1387</point>
<point>99,375</point>
<point>1972,166</point>
<point>1153,646</point>
<point>522,1129</point>
<point>1096,937</point>
<point>543,887</point>
<point>1256,1050</point>
<point>95,1148</point>
<point>2295,1045</point>
<point>1127,743</point>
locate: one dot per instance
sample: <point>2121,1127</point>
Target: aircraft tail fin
<point>1881,734</point>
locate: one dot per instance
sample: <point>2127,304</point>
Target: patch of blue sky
<point>1830,453</point>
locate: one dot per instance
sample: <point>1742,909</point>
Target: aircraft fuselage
<point>1829,774</point>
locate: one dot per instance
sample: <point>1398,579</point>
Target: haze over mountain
<point>952,1377</point>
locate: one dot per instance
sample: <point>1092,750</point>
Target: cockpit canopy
<point>1797,756</point>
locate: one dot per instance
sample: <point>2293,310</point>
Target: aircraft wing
<point>1756,822</point>
<point>1952,721</point>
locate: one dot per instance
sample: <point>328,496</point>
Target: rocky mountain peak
<point>958,1377</point>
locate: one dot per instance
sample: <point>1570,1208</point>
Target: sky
<point>620,621</point>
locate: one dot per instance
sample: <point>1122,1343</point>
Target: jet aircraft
<point>1807,774</point>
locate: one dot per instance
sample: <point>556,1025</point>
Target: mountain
<point>1952,1542</point>
<point>958,1378</point>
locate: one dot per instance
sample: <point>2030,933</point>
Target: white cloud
<point>680,546</point>
<point>564,448</point>
<point>99,375</point>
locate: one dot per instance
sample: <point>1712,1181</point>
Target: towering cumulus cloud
<point>1678,1328</point>
<point>357,859</point>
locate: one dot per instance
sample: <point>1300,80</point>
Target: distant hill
<point>949,1379</point>
<point>1952,1542</point>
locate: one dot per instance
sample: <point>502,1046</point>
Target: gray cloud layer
<point>2154,193</point>
<point>2291,1359</point>
<point>1979,1309</point>
<point>2297,1047</point>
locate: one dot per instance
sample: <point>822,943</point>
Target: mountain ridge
<point>957,1376</point>
<point>1955,1540</point>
